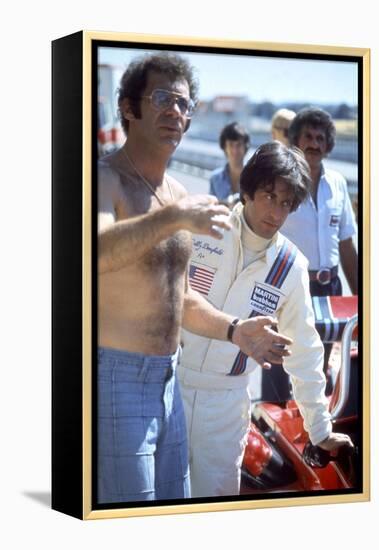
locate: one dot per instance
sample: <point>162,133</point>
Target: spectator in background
<point>280,123</point>
<point>224,183</point>
<point>323,226</point>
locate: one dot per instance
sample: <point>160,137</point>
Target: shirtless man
<point>144,244</point>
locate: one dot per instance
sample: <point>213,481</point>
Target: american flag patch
<point>201,278</point>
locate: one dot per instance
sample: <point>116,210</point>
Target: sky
<point>278,80</point>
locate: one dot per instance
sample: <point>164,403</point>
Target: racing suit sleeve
<point>305,365</point>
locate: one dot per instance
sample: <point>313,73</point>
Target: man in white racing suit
<point>253,271</point>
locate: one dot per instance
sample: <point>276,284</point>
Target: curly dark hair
<point>134,79</point>
<point>274,160</point>
<point>314,118</point>
<point>234,132</point>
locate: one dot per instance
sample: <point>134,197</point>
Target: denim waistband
<point>129,358</point>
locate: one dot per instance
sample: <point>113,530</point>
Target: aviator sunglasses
<point>163,99</point>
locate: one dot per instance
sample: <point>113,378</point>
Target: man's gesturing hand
<point>256,339</point>
<point>202,214</point>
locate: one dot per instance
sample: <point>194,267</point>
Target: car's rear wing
<point>331,315</point>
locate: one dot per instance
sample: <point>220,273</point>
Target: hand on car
<point>334,442</point>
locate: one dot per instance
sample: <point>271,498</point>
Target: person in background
<point>323,227</point>
<point>224,182</point>
<point>255,271</point>
<point>280,123</point>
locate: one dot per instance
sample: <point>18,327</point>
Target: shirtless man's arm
<point>254,337</point>
<point>125,241</point>
<point>125,238</point>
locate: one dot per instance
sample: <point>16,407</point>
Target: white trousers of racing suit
<point>218,423</point>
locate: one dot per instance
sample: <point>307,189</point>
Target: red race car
<point>279,456</point>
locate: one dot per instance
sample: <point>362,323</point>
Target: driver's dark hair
<point>274,160</point>
<point>314,118</point>
<point>134,80</point>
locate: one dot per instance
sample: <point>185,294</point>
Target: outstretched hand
<point>256,338</point>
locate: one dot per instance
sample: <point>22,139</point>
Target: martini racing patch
<point>263,300</point>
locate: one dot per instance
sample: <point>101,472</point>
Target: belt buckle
<point>324,276</point>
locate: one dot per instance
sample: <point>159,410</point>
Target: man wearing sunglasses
<point>144,244</point>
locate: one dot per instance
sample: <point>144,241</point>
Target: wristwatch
<point>231,328</point>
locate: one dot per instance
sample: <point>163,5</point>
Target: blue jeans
<point>142,436</point>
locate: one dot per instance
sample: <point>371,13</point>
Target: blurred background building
<point>199,152</point>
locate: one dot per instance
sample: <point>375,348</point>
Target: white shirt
<point>318,231</point>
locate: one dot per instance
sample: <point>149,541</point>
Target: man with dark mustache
<point>323,226</point>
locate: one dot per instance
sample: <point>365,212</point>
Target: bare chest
<point>136,198</point>
<point>170,254</point>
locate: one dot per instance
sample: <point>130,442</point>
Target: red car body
<point>279,456</point>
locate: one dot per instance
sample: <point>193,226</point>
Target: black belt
<point>324,275</point>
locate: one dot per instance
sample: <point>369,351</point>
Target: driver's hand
<point>335,441</point>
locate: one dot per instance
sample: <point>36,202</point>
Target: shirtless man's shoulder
<point>119,184</point>
<point>109,191</point>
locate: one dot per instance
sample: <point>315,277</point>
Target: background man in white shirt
<point>324,225</point>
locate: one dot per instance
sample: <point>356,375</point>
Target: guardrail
<point>201,157</point>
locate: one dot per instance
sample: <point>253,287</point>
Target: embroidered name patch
<point>263,300</point>
<point>334,220</point>
<point>200,245</point>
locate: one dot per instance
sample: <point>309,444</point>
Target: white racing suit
<point>216,403</point>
